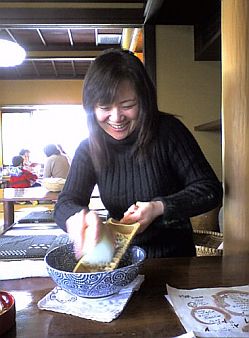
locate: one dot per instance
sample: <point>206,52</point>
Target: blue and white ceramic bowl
<point>60,263</point>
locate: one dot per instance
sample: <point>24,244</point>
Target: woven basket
<point>53,183</point>
<point>207,242</point>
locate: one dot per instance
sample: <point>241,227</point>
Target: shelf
<point>210,126</point>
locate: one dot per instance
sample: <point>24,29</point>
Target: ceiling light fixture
<point>109,39</point>
<point>11,54</point>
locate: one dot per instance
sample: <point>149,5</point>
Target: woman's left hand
<point>144,213</point>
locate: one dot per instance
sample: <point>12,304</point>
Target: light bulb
<point>11,54</point>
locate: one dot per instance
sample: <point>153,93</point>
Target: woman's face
<point>26,156</point>
<point>119,119</point>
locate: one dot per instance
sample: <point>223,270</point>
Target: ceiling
<point>62,38</point>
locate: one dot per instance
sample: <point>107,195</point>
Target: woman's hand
<point>76,229</point>
<point>144,213</point>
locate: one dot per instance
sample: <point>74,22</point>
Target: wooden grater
<point>123,234</point>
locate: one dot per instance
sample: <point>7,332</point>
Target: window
<point>33,130</point>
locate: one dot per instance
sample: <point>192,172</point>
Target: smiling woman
<point>119,119</point>
<point>148,166</point>
<point>65,125</point>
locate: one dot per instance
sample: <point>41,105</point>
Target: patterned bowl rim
<point>102,272</point>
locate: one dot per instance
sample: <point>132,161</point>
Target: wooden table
<point>9,196</point>
<point>147,314</point>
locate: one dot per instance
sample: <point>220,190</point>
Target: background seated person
<point>59,146</point>
<point>20,177</point>
<point>25,153</point>
<point>27,164</point>
<point>57,164</point>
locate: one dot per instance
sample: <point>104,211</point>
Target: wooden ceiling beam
<point>83,48</point>
<point>79,1</point>
<point>70,16</point>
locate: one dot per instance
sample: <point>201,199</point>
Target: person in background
<point>25,153</point>
<point>20,177</point>
<point>57,164</point>
<point>27,164</point>
<point>147,164</point>
<point>59,146</point>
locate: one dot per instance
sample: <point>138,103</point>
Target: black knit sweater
<point>177,174</point>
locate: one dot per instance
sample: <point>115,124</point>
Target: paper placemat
<point>103,309</point>
<point>212,312</point>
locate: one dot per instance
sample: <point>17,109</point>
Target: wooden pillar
<point>235,121</point>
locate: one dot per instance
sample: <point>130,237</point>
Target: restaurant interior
<point>60,47</point>
<point>196,53</point>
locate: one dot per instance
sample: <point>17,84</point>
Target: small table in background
<point>10,196</point>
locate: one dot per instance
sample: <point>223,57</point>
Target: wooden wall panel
<point>235,101</point>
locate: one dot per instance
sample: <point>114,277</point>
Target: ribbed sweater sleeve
<point>198,187</point>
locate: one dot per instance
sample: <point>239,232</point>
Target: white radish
<point>101,252</point>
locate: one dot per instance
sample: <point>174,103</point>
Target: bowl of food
<point>7,312</point>
<point>53,183</point>
<point>60,263</point>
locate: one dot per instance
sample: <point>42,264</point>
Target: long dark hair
<point>51,149</point>
<point>100,87</point>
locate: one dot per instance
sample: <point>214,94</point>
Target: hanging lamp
<point>11,53</point>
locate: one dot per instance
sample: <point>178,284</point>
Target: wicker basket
<point>208,242</point>
<point>54,184</point>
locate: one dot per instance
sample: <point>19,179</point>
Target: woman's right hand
<point>76,229</point>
